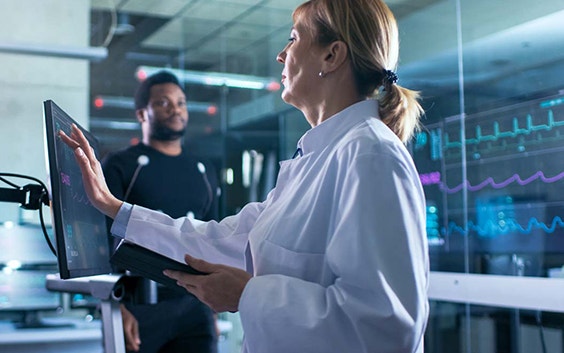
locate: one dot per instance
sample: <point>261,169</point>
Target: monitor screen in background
<point>26,244</point>
<point>22,290</point>
<point>85,301</point>
<point>80,229</point>
<point>25,300</point>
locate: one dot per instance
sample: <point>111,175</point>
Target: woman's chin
<point>286,96</point>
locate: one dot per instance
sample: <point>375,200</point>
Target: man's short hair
<point>143,92</point>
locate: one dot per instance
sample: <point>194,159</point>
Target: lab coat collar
<point>337,125</point>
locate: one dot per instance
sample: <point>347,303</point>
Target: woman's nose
<point>281,57</point>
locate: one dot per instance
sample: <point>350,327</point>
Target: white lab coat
<point>338,249</point>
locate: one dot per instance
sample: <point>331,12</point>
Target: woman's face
<point>302,64</point>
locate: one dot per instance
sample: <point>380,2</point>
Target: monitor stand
<point>109,289</point>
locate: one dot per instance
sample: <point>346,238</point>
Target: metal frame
<point>534,293</point>
<point>107,288</point>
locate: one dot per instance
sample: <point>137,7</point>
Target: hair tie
<point>390,76</point>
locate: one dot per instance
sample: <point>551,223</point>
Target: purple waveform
<point>431,178</point>
<point>65,179</point>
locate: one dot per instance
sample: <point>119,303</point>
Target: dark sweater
<point>173,185</point>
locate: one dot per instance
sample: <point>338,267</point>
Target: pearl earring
<point>321,74</point>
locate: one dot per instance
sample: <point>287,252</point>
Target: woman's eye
<point>291,39</point>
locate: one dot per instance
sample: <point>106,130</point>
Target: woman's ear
<point>336,54</point>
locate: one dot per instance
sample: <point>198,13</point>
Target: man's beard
<point>161,132</point>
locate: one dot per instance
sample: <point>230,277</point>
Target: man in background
<point>160,174</point>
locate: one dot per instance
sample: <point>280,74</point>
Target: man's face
<point>167,113</point>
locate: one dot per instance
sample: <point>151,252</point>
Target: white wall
<point>27,80</point>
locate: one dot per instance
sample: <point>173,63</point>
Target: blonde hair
<point>370,31</point>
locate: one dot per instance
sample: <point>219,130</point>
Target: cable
<point>541,330</point>
<point>142,161</point>
<point>44,229</point>
<point>209,201</point>
<point>20,176</point>
<point>9,183</point>
<point>43,199</point>
<point>113,25</point>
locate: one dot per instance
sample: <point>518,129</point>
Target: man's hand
<point>130,329</point>
<point>220,288</point>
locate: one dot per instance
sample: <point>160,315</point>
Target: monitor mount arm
<point>30,196</point>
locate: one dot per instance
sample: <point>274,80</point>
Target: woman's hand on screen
<point>92,175</point>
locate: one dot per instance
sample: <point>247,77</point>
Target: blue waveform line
<point>497,134</point>
<point>552,102</point>
<point>491,228</point>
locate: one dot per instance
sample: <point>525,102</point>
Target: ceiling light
<point>128,103</point>
<point>123,27</point>
<point>214,78</point>
<point>86,53</point>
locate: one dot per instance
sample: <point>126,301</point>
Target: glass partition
<point>489,159</point>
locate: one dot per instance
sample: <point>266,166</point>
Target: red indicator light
<point>141,75</point>
<point>273,86</point>
<point>212,110</point>
<point>99,102</point>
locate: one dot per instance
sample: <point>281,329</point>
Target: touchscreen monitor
<point>79,228</point>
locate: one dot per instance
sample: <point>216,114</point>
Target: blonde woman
<point>335,259</point>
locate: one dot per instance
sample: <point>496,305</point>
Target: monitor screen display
<point>80,229</point>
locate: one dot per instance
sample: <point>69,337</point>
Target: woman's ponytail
<point>400,110</point>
